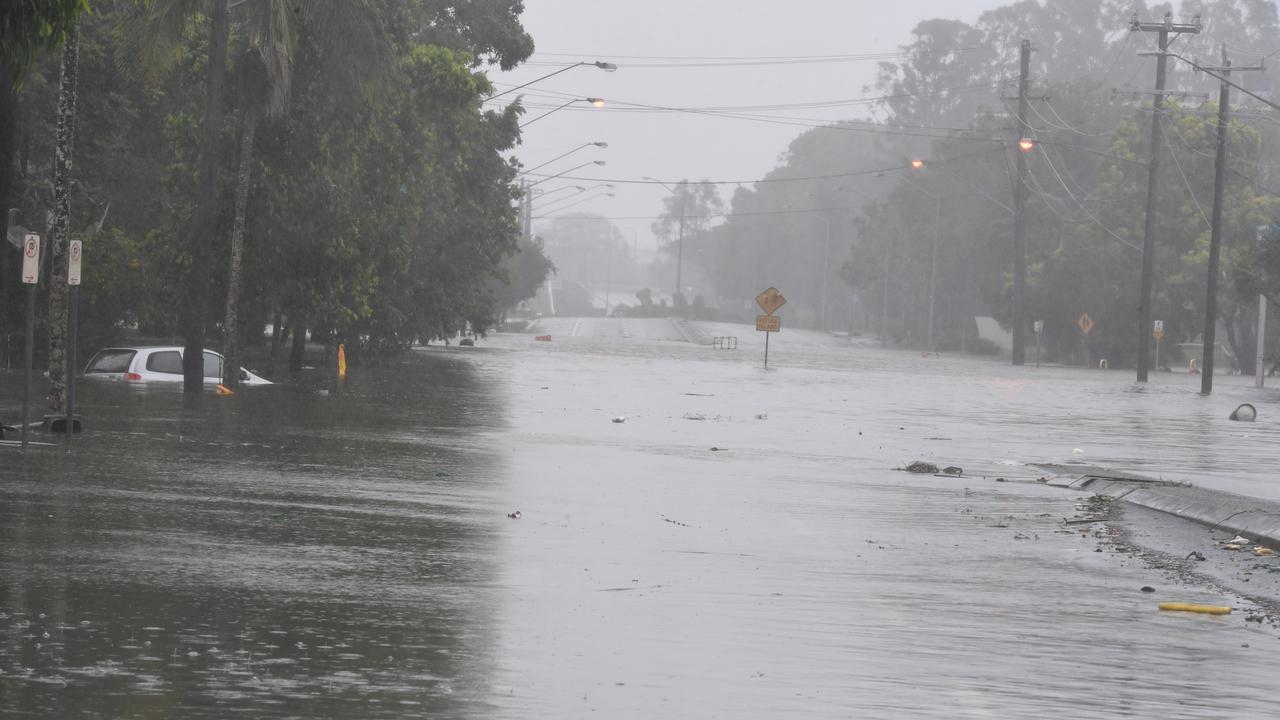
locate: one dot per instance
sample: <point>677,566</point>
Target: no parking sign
<point>31,259</point>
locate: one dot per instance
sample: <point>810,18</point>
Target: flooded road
<point>739,546</point>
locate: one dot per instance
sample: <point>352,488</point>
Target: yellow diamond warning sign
<point>1085,323</point>
<point>770,300</point>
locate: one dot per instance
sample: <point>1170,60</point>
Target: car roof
<point>150,348</point>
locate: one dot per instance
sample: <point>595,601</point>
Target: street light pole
<point>826,271</point>
<point>680,254</point>
<point>933,270</point>
<point>607,67</point>
<point>679,239</point>
<point>565,155</point>
<point>594,101</point>
<point>580,195</point>
<point>933,265</point>
<point>566,172</point>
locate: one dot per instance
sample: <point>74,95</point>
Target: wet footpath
<point>630,527</point>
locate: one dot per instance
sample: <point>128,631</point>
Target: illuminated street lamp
<point>607,67</point>
<point>593,101</point>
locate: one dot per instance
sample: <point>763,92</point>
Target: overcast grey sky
<point>647,40</point>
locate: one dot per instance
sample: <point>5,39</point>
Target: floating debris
<point>1260,550</point>
<point>1148,589</point>
<point>1244,413</point>
<point>1195,555</point>
<point>620,419</point>
<point>921,467</point>
<point>1195,608</point>
<point>515,515</point>
<point>953,470</point>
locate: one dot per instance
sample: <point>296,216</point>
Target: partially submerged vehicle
<point>160,364</point>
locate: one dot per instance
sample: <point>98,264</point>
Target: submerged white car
<point>157,365</point>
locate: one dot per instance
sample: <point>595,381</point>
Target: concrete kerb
<point>1258,520</point>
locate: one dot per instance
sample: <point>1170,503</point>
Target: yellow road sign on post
<point>770,300</point>
<point>768,323</point>
<point>1085,323</point>
<point>1158,334</point>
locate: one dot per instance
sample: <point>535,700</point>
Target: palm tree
<point>59,232</point>
<point>263,89</point>
<point>346,30</point>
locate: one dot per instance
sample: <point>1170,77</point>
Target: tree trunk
<point>204,231</point>
<point>8,143</point>
<point>299,345</point>
<point>276,324</point>
<point>231,344</point>
<point>61,230</point>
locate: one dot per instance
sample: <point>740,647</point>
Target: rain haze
<point>368,359</point>
<point>675,58</point>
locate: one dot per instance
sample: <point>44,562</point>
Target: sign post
<point>30,278</point>
<point>1158,333</point>
<point>769,301</point>
<point>1039,326</point>
<point>74,250</point>
<point>1085,323</point>
<point>1260,369</point>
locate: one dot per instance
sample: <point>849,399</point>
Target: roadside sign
<point>768,323</point>
<point>73,263</point>
<point>1085,323</point>
<point>1039,326</point>
<point>770,300</point>
<point>31,259</point>
<point>1158,334</point>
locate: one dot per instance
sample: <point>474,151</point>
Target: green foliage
<point>380,213</point>
<point>29,27</point>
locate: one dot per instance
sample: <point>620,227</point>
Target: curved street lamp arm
<point>607,67</point>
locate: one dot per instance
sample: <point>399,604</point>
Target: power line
<point>695,61</point>
<point>767,180</point>
<point>1094,218</point>
<point>1178,164</point>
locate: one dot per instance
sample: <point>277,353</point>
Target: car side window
<point>111,361</point>
<point>168,361</point>
<point>212,366</point>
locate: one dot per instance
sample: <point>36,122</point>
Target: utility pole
<point>1153,173</point>
<point>675,299</point>
<point>1215,237</point>
<point>1019,216</point>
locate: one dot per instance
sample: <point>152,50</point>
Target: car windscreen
<point>111,361</point>
<point>212,365</point>
<point>166,361</point>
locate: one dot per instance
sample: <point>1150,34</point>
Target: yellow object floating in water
<point>1260,550</point>
<point>342,360</point>
<point>1192,607</point>
<point>224,390</point>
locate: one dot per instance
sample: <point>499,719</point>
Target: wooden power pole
<point>1163,29</point>
<point>1215,237</point>
<point>1019,354</point>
